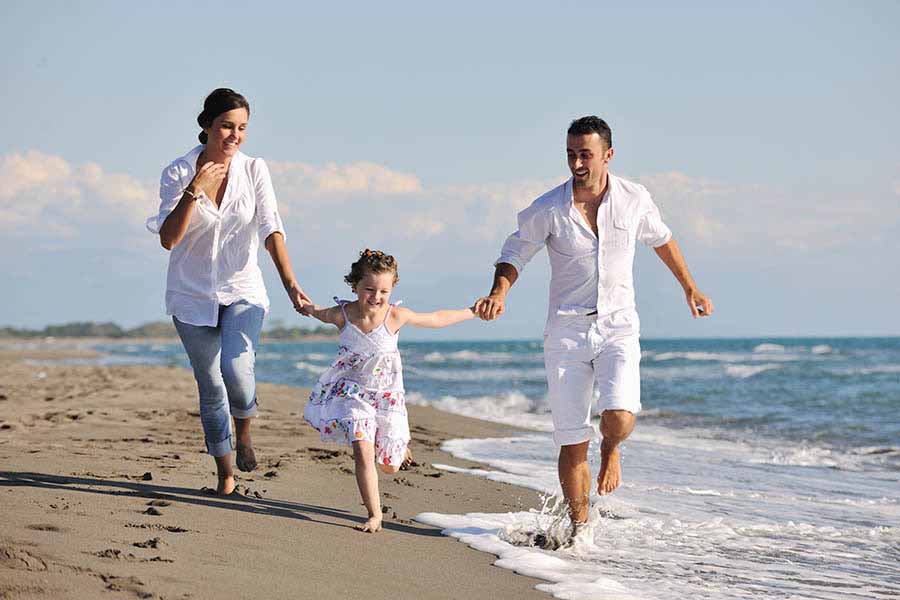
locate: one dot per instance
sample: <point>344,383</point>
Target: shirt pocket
<point>571,241</point>
<point>622,233</point>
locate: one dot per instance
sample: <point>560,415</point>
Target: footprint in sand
<point>45,527</point>
<point>158,527</point>
<point>125,584</point>
<point>114,554</point>
<point>154,543</point>
<point>16,558</point>
<point>322,454</point>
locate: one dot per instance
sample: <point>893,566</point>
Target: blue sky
<point>767,133</point>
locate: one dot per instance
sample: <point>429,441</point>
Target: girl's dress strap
<point>390,308</point>
<point>342,303</point>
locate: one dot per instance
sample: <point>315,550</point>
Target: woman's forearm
<point>278,251</point>
<point>176,224</point>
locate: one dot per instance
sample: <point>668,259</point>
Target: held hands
<point>302,303</point>
<point>700,305</point>
<point>208,179</point>
<point>489,307</point>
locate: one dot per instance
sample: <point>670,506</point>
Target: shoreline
<point>52,341</point>
<point>91,453</point>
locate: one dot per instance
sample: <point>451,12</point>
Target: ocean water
<point>760,468</point>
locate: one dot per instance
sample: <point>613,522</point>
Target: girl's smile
<point>374,291</point>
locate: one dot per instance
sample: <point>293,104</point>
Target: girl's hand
<point>299,298</point>
<point>208,179</point>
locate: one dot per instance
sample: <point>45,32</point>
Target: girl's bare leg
<point>367,481</point>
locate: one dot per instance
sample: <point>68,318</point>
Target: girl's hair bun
<point>372,261</point>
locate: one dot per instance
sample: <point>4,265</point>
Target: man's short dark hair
<point>589,125</point>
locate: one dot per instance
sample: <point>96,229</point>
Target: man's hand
<point>700,305</point>
<point>490,307</point>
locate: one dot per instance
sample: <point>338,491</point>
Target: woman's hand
<point>299,299</point>
<point>208,179</point>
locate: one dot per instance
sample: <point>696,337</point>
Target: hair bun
<point>203,137</point>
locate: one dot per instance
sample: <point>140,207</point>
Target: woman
<point>216,203</point>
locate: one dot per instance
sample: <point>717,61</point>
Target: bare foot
<point>610,470</point>
<point>407,460</point>
<point>371,526</point>
<point>246,458</point>
<point>226,485</point>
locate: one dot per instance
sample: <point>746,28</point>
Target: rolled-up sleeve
<point>524,243</point>
<point>171,188</point>
<point>651,229</point>
<point>266,206</point>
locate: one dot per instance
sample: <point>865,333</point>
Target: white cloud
<point>42,194</point>
<point>756,217</point>
<point>357,177</point>
<point>363,204</point>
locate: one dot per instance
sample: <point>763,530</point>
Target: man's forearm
<point>670,254</point>
<point>505,275</point>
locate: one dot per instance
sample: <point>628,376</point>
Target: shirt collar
<point>191,158</point>
<point>569,189</point>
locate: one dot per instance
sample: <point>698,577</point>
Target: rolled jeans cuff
<point>219,448</point>
<point>245,413</point>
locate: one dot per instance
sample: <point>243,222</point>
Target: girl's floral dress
<point>360,397</point>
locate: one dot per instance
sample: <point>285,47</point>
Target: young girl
<point>359,399</point>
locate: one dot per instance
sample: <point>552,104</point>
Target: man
<point>590,225</point>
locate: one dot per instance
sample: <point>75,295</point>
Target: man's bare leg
<point>575,479</point>
<point>616,426</point>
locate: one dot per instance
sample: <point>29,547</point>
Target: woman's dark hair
<point>219,101</point>
<point>589,125</point>
<point>372,261</point>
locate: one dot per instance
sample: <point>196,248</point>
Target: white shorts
<point>581,352</point>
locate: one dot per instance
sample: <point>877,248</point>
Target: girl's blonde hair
<point>372,261</point>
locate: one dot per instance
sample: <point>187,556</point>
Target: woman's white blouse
<point>215,263</point>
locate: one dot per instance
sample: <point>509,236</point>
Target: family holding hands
<point>217,205</point>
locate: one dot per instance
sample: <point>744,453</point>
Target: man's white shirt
<point>588,272</point>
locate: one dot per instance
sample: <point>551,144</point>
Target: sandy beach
<point>100,488</point>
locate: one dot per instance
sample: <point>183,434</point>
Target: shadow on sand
<point>132,489</point>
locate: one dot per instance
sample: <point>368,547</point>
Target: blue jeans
<point>223,359</point>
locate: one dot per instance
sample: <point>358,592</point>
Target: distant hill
<point>156,329</point>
